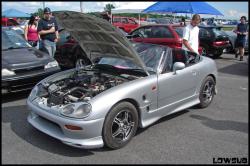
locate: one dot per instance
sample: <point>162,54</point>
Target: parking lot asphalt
<point>193,136</point>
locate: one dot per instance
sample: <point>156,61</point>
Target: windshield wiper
<point>138,69</point>
<point>104,66</point>
<point>11,48</point>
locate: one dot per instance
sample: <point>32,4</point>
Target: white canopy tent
<point>132,7</point>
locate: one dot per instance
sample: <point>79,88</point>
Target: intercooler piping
<point>76,88</point>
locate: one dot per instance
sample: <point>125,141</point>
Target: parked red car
<point>125,23</point>
<point>9,22</point>
<point>161,34</point>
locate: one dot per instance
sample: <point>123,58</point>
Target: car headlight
<point>73,111</point>
<point>33,93</point>
<point>6,72</point>
<point>51,64</point>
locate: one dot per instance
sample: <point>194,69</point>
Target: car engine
<point>81,87</point>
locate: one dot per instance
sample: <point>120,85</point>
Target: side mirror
<point>178,66</point>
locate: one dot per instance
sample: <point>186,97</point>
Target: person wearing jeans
<point>50,47</point>
<point>241,31</point>
<point>48,31</point>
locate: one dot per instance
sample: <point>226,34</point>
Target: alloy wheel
<point>208,91</point>
<point>122,126</point>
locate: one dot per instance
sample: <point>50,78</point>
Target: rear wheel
<point>218,53</point>
<point>120,125</point>
<point>230,49</point>
<point>207,92</point>
<point>204,50</point>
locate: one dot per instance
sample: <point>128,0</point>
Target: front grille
<point>21,82</point>
<point>49,123</point>
<point>23,87</point>
<point>27,71</point>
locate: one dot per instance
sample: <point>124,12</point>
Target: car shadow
<point>9,97</point>
<point>17,117</point>
<point>236,69</point>
<point>225,58</point>
<point>163,119</point>
<point>222,124</point>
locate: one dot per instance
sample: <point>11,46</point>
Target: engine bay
<point>81,86</point>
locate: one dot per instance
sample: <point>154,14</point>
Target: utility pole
<point>81,6</point>
<point>43,5</point>
<point>111,16</point>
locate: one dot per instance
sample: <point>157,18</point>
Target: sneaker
<point>241,58</point>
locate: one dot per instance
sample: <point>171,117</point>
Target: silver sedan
<point>132,85</point>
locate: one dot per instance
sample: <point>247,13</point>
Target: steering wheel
<point>140,34</point>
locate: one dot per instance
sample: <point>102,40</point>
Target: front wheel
<point>120,125</point>
<point>207,92</point>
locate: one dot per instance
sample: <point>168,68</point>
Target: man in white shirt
<point>191,35</point>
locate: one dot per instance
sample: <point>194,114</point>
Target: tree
<point>108,8</point>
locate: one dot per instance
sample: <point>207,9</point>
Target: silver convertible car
<point>128,85</point>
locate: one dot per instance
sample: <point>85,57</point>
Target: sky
<point>231,10</point>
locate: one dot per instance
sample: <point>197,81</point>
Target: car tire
<point>207,92</point>
<point>204,50</point>
<point>218,54</point>
<point>79,57</point>
<point>230,48</point>
<point>120,125</point>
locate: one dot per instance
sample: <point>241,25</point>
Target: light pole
<point>81,6</point>
<point>43,5</point>
<point>111,16</point>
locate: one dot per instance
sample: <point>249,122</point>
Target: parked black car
<point>213,41</point>
<point>22,65</point>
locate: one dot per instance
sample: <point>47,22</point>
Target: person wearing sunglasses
<point>48,31</point>
<point>30,31</point>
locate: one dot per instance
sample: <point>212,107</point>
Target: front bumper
<point>215,49</point>
<point>88,138</point>
<point>24,82</point>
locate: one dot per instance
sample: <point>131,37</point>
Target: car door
<point>175,89</point>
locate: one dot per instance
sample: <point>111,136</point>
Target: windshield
<point>12,40</point>
<point>150,55</point>
<point>118,63</point>
<point>218,32</point>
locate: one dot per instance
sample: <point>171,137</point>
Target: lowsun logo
<point>233,160</point>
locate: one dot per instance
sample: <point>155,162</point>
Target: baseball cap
<point>46,10</point>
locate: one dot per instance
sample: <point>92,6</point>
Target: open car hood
<point>97,37</point>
